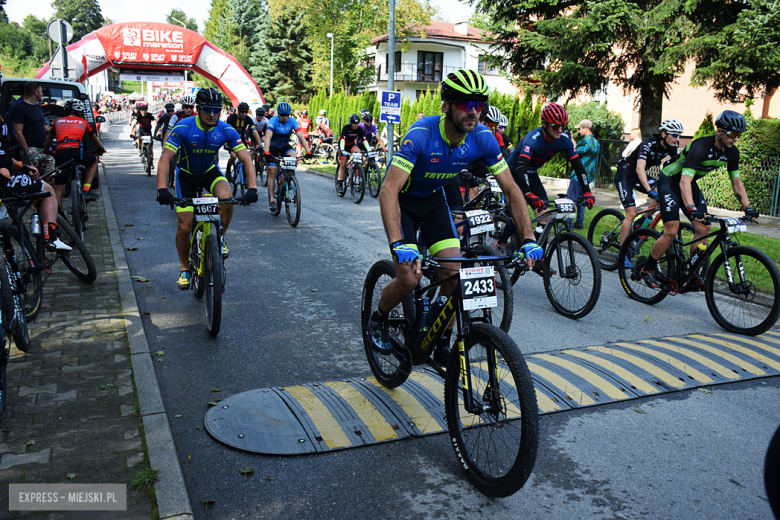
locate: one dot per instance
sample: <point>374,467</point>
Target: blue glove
<point>653,194</point>
<point>530,250</point>
<point>404,252</point>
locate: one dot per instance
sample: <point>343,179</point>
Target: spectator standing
<point>29,128</point>
<point>588,149</point>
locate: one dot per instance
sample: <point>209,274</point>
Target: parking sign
<point>390,107</point>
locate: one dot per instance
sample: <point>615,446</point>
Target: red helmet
<point>554,114</point>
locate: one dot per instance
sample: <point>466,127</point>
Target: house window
<point>429,66</point>
<point>397,61</point>
<point>485,69</point>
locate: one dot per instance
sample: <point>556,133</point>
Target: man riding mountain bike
<point>198,139</point>
<point>187,110</point>
<point>433,151</point>
<point>245,126</point>
<point>277,144</point>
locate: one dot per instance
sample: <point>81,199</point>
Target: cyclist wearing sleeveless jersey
<point>245,127</point>
<point>433,151</point>
<point>631,170</point>
<point>677,189</point>
<point>277,144</point>
<point>198,139</point>
<point>538,147</point>
<point>187,110</point>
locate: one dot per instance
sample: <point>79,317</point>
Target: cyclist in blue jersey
<point>198,139</point>
<point>433,152</point>
<point>538,147</point>
<point>277,144</point>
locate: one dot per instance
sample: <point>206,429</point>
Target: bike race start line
<point>319,417</point>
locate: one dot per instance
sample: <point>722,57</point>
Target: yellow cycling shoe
<point>184,280</point>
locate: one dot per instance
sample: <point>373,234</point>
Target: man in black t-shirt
<point>244,126</point>
<point>29,128</point>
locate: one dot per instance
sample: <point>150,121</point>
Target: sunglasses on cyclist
<point>734,135</point>
<point>212,111</point>
<point>243,111</point>
<point>557,128</point>
<point>466,106</point>
<point>188,106</point>
<point>676,136</point>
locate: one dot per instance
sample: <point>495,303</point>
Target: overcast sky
<point>155,10</point>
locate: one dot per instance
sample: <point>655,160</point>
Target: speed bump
<point>320,417</point>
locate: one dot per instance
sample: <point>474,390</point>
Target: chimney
<point>462,28</point>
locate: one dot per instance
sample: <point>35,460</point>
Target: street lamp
<point>330,35</point>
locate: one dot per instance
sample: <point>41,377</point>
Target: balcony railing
<point>416,72</point>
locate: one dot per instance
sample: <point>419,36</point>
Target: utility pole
<point>391,76</point>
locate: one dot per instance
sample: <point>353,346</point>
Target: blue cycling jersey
<point>432,161</point>
<point>198,147</point>
<point>281,132</point>
<point>538,150</point>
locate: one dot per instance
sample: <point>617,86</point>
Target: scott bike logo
<point>437,325</point>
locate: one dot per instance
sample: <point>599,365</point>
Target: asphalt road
<point>291,316</point>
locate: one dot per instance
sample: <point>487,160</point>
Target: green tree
<point>289,59</point>
<point>3,15</point>
<point>606,123</point>
<point>580,46</point>
<point>178,16</point>
<point>84,15</point>
<point>707,127</point>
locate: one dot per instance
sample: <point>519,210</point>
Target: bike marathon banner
<point>160,51</point>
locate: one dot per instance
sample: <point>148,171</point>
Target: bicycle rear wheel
<point>604,234</point>
<point>148,161</point>
<point>76,208</point>
<point>326,154</point>
<point>498,446</point>
<point>576,287</point>
<point>392,369</point>
<point>358,184</point>
<point>13,314</point>
<point>637,248</point>
<point>213,282</point>
<point>30,285</point>
<point>374,179</point>
<point>751,307</point>
<point>503,312</point>
<point>78,259</point>
<point>260,170</point>
<point>292,200</point>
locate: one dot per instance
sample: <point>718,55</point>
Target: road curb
<point>173,501</point>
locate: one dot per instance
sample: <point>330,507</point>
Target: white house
<point>445,47</point>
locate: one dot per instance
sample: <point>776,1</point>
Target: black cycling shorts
<point>671,199</point>
<point>81,156</point>
<point>20,184</point>
<point>431,215</point>
<point>277,152</point>
<point>626,181</point>
<point>187,185</point>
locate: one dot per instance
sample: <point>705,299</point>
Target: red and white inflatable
<point>151,46</point>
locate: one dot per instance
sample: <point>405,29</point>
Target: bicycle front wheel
<point>213,282</point>
<point>195,252</point>
<point>148,161</point>
<point>572,280</point>
<point>13,314</point>
<point>30,286</point>
<point>392,369</point>
<point>77,208</point>
<point>604,234</point>
<point>261,171</point>
<point>751,305</point>
<point>78,259</point>
<point>497,444</point>
<point>326,154</point>
<point>292,200</point>
<point>637,248</point>
<point>374,180</point>
<point>358,184</point>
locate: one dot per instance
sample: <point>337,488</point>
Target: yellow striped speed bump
<point>319,417</point>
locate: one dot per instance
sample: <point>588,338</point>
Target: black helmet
<point>244,107</point>
<point>354,118</point>
<point>731,121</point>
<point>169,106</point>
<point>208,96</point>
<point>260,112</point>
<point>367,117</point>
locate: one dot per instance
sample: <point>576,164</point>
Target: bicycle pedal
<point>671,288</point>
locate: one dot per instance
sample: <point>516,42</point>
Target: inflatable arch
<point>151,46</point>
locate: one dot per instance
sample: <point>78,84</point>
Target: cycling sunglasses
<point>188,106</point>
<point>555,127</point>
<point>243,111</point>
<point>734,135</point>
<point>466,106</point>
<point>211,110</point>
<point>676,136</point>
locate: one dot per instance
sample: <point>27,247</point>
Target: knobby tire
<point>78,259</point>
<point>213,279</point>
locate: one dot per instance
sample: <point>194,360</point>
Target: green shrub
<point>707,127</point>
<point>606,123</point>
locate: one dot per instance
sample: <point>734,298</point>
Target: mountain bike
<point>322,151</point>
<point>11,290</point>
<point>146,153</point>
<point>287,189</point>
<point>355,180</point>
<point>205,259</point>
<point>489,397</point>
<point>238,182</point>
<point>77,208</point>
<point>570,267</point>
<point>373,173</point>
<point>741,285</point>
<point>260,166</point>
<point>32,256</point>
<point>604,232</point>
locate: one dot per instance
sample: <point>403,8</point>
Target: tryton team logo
<point>131,36</point>
<point>214,137</point>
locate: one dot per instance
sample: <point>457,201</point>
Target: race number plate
<point>480,221</point>
<point>735,225</point>
<point>146,138</point>
<point>206,209</point>
<point>373,155</point>
<point>357,157</point>
<point>289,162</point>
<point>478,287</point>
<point>565,209</point>
<point>494,187</point>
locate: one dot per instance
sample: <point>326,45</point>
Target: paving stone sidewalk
<point>71,407</point>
